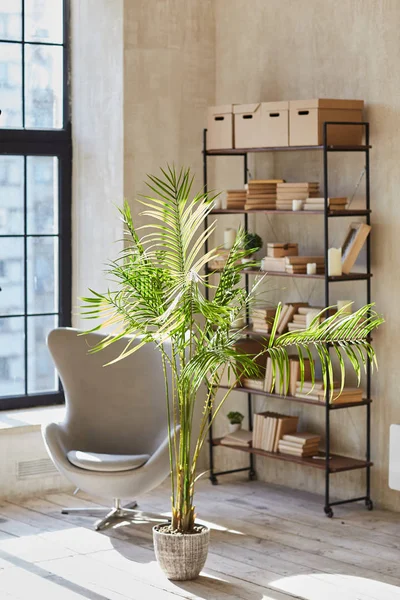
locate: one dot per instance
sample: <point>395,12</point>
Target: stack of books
<point>319,204</point>
<point>261,194</point>
<point>242,437</point>
<point>317,392</point>
<point>293,373</point>
<point>287,192</point>
<point>236,199</point>
<point>272,264</point>
<point>262,319</point>
<point>287,313</point>
<point>301,320</point>
<point>299,444</point>
<point>269,427</point>
<point>298,264</point>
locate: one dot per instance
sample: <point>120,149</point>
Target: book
<point>298,452</point>
<point>331,201</point>
<point>273,264</point>
<point>258,420</point>
<point>307,184</point>
<point>253,383</point>
<point>295,373</point>
<point>285,425</point>
<point>242,437</point>
<point>301,438</point>
<point>286,318</point>
<point>268,376</point>
<point>303,260</point>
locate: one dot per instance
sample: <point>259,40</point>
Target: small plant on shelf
<point>235,420</point>
<point>252,243</point>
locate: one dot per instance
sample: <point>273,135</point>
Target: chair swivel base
<point>116,514</point>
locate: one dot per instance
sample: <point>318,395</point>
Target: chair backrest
<point>119,408</point>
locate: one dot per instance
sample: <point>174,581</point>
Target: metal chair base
<point>116,514</point>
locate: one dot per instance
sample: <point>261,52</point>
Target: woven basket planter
<point>181,556</point>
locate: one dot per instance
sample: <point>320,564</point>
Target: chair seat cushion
<point>93,461</point>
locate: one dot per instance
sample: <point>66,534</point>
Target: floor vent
<point>35,468</point>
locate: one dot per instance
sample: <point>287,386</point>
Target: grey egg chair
<point>113,441</point>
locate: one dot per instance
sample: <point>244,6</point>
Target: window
<point>35,197</point>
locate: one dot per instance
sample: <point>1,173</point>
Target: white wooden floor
<point>265,544</point>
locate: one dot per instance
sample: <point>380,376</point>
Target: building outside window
<point>35,189</point>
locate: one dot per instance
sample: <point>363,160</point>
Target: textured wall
<point>143,73</point>
<point>282,50</point>
<point>169,65</point>
<point>97,120</point>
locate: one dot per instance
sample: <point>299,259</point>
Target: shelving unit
<point>327,462</point>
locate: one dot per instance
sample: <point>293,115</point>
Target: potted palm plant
<point>159,295</point>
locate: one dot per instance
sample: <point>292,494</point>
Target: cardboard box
<point>306,119</point>
<point>276,250</point>
<point>261,125</point>
<point>220,127</point>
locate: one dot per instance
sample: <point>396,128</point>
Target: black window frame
<point>55,143</point>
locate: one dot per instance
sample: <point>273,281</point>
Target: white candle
<point>217,202</point>
<point>311,268</point>
<point>345,303</point>
<point>334,262</point>
<point>229,238</point>
<point>297,204</point>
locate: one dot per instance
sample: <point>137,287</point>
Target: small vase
<point>234,427</point>
<point>181,556</point>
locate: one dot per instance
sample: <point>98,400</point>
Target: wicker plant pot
<point>181,556</point>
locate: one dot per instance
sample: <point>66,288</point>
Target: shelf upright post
<point>213,479</point>
<point>368,501</point>
<point>327,508</point>
<point>252,473</point>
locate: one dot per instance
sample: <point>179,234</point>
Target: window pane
<point>44,21</point>
<point>10,85</point>
<point>12,366</point>
<point>11,276</point>
<point>11,195</point>
<point>42,194</point>
<point>10,20</point>
<point>43,87</point>
<point>42,376</point>
<point>42,275</point>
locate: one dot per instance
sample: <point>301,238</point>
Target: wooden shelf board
<point>336,213</point>
<point>241,151</point>
<point>349,277</point>
<point>247,390</point>
<point>337,463</point>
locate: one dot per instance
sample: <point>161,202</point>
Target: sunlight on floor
<point>316,586</point>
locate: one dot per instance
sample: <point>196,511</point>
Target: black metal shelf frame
<point>325,149</point>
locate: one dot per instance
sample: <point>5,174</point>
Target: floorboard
<point>266,544</point>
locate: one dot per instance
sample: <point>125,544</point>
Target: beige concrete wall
<point>169,76</point>
<point>143,73</point>
<point>282,50</point>
<point>97,121</point>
